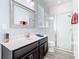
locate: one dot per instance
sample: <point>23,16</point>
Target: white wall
<point>75,30</point>
<point>42,29</point>
<point>43,4</point>
<point>4,16</point>
<point>62,8</point>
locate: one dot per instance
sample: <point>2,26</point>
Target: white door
<point>64,31</point>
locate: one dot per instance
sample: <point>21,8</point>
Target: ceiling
<point>51,3</point>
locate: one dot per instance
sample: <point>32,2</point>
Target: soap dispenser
<point>6,37</point>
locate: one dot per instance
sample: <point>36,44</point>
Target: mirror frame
<point>12,3</point>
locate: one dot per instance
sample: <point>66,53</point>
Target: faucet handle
<point>28,35</point>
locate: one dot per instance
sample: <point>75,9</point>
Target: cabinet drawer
<point>24,50</point>
<point>31,55</point>
<point>43,40</point>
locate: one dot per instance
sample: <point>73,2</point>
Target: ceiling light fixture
<point>28,1</point>
<point>51,18</point>
<point>59,2</point>
<point>32,3</point>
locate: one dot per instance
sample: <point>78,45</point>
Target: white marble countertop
<point>19,42</point>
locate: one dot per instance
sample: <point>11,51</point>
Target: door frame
<point>56,35</point>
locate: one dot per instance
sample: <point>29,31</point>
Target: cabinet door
<point>36,54</point>
<point>42,51</point>
<point>20,52</point>
<point>31,55</point>
<point>45,48</point>
<point>27,57</point>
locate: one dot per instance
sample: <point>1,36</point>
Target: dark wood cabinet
<point>35,50</point>
<point>31,55</point>
<point>43,47</point>
<point>41,51</point>
<point>24,50</point>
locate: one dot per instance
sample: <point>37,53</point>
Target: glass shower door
<point>64,31</point>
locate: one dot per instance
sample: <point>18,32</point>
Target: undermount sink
<point>28,38</point>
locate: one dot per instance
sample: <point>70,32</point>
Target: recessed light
<point>32,3</point>
<point>59,2</point>
<point>51,18</point>
<point>28,1</point>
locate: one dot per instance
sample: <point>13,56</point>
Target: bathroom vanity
<point>35,48</point>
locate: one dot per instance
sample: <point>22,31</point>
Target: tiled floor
<point>59,55</point>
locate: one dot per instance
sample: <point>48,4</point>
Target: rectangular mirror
<point>21,16</point>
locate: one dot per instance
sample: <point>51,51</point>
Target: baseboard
<point>70,52</point>
<point>51,50</point>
